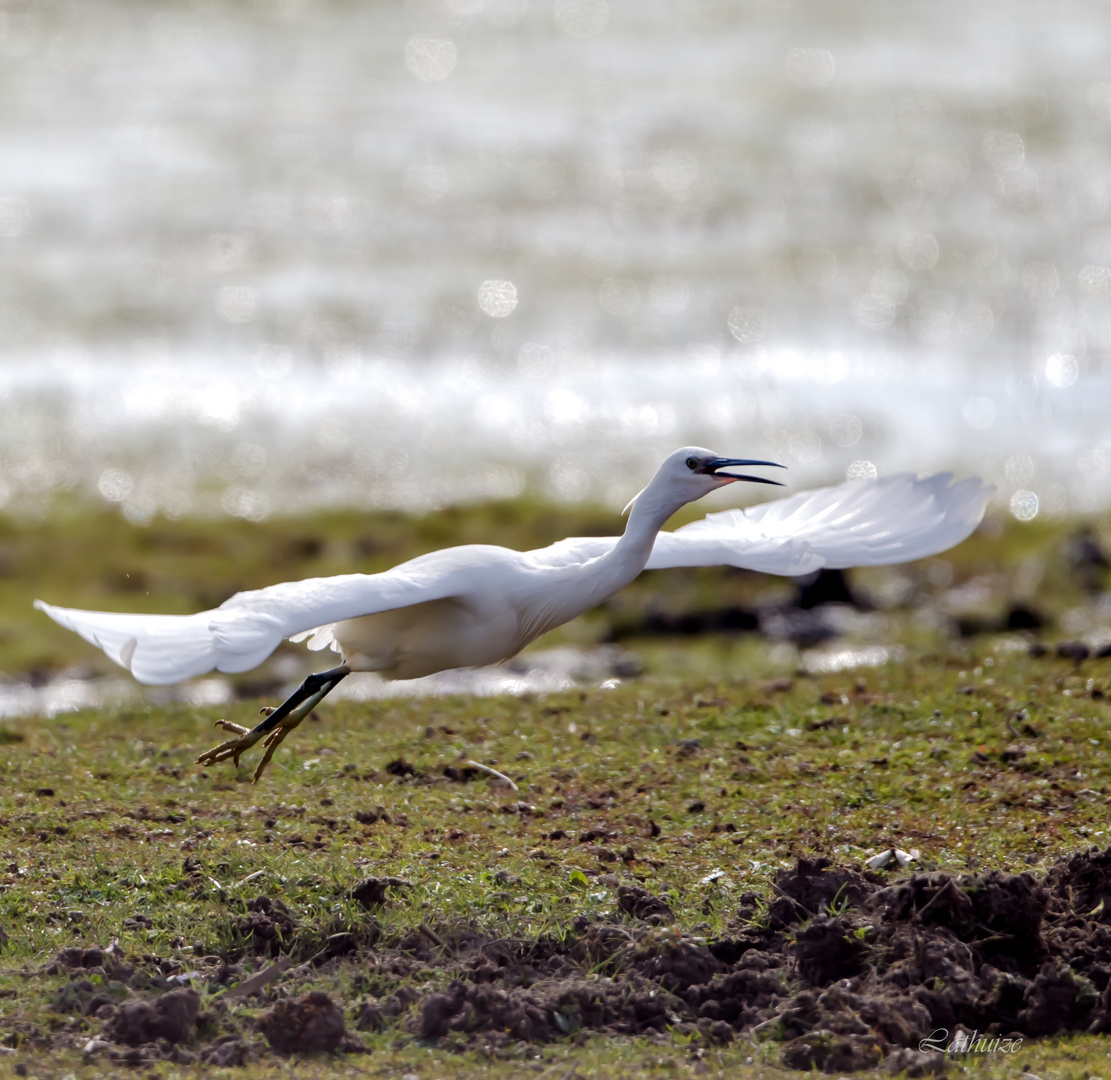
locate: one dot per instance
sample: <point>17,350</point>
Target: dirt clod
<point>827,950</point>
<point>172,1017</point>
<point>814,887</point>
<point>1076,651</point>
<point>267,927</point>
<point>228,1052</point>
<point>829,1052</point>
<point>312,1024</point>
<point>915,1062</point>
<point>75,957</point>
<point>371,892</point>
<point>640,903</point>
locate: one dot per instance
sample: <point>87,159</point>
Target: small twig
<point>249,877</point>
<point>263,978</point>
<point>431,934</point>
<point>936,896</point>
<point>991,940</point>
<point>494,772</point>
<point>767,1023</point>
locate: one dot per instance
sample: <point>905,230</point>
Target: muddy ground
<point>842,970</point>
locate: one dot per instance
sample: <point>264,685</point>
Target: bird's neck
<point>648,515</point>
<point>582,586</point>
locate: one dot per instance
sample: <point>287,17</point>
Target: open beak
<point>714,464</point>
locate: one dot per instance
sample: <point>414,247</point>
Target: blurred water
<point>543,671</point>
<point>256,257</point>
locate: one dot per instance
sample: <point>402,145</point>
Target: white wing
<point>244,630</point>
<point>859,523</point>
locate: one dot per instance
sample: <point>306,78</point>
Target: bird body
<point>507,602</point>
<point>501,601</point>
<point>479,604</point>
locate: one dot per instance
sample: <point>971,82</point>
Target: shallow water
<point>542,672</point>
<point>261,257</point>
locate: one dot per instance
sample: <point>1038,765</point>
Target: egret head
<point>694,471</point>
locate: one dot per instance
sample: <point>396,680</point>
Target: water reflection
<point>413,254</point>
<point>544,671</point>
<point>540,672</point>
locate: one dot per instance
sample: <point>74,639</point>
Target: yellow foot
<point>247,738</point>
<point>230,749</point>
<point>271,742</point>
<point>227,725</point>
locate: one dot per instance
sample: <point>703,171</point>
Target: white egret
<point>479,604</point>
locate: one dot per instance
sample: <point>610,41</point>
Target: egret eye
<point>692,463</point>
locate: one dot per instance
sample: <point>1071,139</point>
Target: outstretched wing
<point>859,523</point>
<point>244,630</point>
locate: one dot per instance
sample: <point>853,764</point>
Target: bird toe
<point>230,749</point>
<point>227,725</point>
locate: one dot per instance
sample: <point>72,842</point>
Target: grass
<point>721,763</point>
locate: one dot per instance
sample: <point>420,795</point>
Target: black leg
<point>315,686</point>
<point>278,723</point>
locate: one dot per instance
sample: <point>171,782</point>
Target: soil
<point>171,1017</point>
<point>371,892</point>
<point>313,1024</point>
<point>267,927</point>
<point>844,969</point>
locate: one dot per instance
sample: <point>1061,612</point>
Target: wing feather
<point>156,649</point>
<point>245,629</point>
<point>859,523</point>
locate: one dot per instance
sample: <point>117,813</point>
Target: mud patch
<point>843,970</point>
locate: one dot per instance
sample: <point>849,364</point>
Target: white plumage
<point>474,605</point>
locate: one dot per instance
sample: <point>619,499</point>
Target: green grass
<point>970,751</point>
<point>926,755</point>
